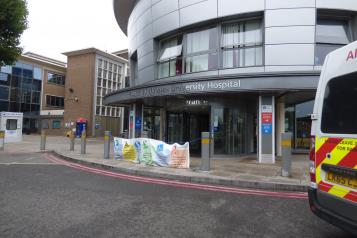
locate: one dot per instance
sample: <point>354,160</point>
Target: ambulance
<point>333,155</point>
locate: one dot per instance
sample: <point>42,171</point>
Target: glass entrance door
<point>230,129</point>
<point>151,123</point>
<point>187,127</point>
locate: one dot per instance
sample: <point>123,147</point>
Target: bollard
<point>106,144</point>
<point>2,140</point>
<point>43,140</point>
<point>71,141</point>
<point>83,142</point>
<point>205,144</point>
<point>286,154</point>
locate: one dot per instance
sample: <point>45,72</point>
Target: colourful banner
<point>152,152</point>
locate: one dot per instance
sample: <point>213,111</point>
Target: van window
<point>339,112</point>
<point>11,124</point>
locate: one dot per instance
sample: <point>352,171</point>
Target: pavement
<point>241,172</point>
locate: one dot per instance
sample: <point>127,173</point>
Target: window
<point>4,93</point>
<point>6,69</point>
<point>5,79</point>
<point>36,97</point>
<point>37,73</point>
<point>339,114</point>
<point>201,51</point>
<point>56,124</point>
<point>170,57</point>
<point>56,78</point>
<point>330,35</point>
<point>54,101</point>
<point>11,124</point>
<point>4,106</point>
<point>242,44</point>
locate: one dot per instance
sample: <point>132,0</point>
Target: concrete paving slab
<point>243,172</point>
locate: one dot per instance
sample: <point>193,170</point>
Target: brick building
<point>53,95</point>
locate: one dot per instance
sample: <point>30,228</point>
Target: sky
<point>57,26</point>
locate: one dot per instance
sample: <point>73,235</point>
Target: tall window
<point>201,51</point>
<point>331,34</point>
<point>170,57</point>
<point>109,79</point>
<point>242,44</point>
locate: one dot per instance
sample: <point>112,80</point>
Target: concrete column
<point>280,126</point>
<point>107,136</point>
<point>72,140</point>
<point>43,140</point>
<point>2,140</point>
<point>205,156</point>
<point>286,153</point>
<point>266,153</point>
<point>132,122</point>
<point>138,123</point>
<point>83,142</point>
<point>162,124</point>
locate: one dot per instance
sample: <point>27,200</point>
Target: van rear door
<point>336,145</point>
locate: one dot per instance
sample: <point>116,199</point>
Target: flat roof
<point>95,51</point>
<point>43,59</point>
<point>122,10</point>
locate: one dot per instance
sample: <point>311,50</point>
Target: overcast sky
<point>57,26</point>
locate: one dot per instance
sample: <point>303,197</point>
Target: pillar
<point>280,126</point>
<point>266,153</point>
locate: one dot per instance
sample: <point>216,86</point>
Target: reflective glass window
<point>4,93</point>
<point>36,97</point>
<point>201,51</point>
<point>331,34</point>
<point>242,44</point>
<point>17,70</point>
<point>14,107</point>
<point>36,85</point>
<point>37,73</point>
<point>332,31</point>
<point>11,124</point>
<point>56,78</point>
<point>35,107</point>
<point>4,106</point>
<point>6,69</point>
<point>170,57</point>
<point>5,79</point>
<point>56,124</point>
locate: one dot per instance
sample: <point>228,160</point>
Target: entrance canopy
<point>263,83</point>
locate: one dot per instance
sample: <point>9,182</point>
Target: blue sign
<point>138,123</point>
<point>267,129</point>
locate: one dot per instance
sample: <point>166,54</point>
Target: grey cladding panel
<point>166,23</point>
<point>163,8</point>
<point>145,75</point>
<point>200,11</point>
<point>276,4</point>
<point>146,61</point>
<point>290,17</point>
<point>233,7</point>
<point>145,48</point>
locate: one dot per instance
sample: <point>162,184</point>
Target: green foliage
<point>13,21</point>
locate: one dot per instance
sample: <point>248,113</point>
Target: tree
<point>13,22</point>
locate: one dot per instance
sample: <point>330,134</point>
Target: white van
<point>333,156</point>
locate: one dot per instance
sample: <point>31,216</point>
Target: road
<point>41,198</point>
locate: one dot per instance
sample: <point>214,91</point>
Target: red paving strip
<point>294,195</point>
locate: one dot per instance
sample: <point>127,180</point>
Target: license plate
<point>341,180</point>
